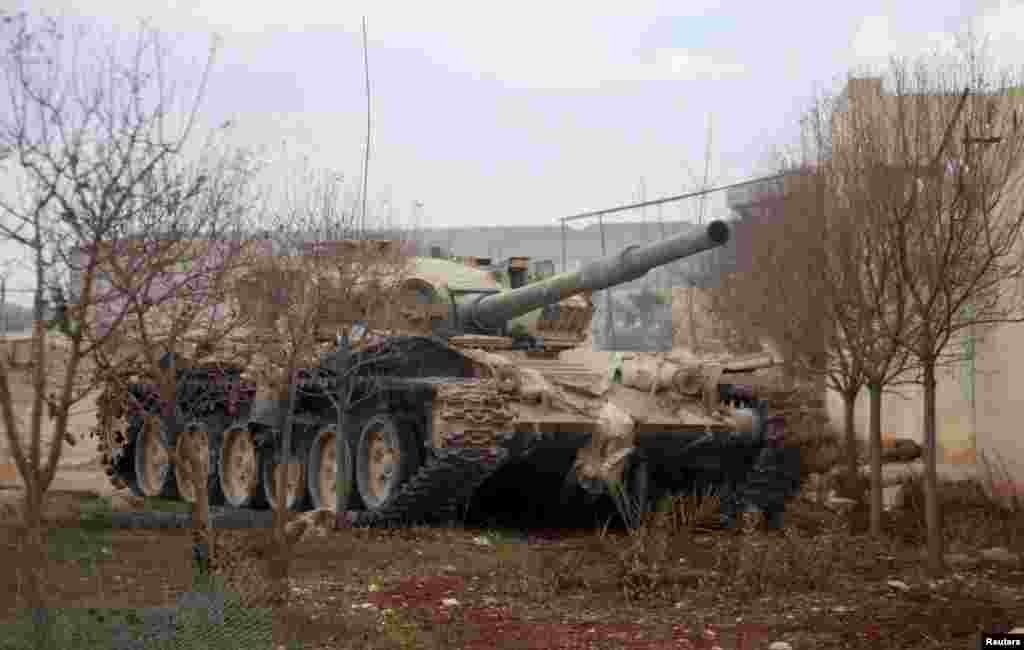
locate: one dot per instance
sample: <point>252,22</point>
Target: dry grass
<point>974,512</point>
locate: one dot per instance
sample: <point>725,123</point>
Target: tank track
<point>428,495</point>
<point>117,462</point>
<point>221,517</point>
<point>774,478</point>
<point>476,421</point>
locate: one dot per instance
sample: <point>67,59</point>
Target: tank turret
<point>486,312</point>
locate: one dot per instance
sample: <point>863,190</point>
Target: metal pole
<point>609,321</point>
<point>661,227</point>
<point>643,216</point>
<point>366,157</point>
<point>643,198</point>
<point>563,247</point>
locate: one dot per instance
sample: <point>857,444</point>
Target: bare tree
<point>927,226</point>
<point>873,306</point>
<point>325,277</point>
<point>84,132</point>
<point>800,289</point>
<point>957,150</point>
<point>174,362</point>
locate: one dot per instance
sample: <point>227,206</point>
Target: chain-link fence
<point>638,315</point>
<point>635,315</point>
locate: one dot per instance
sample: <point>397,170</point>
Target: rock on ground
<point>960,560</point>
<point>840,503</point>
<point>1000,555</point>
<point>315,523</point>
<point>126,503</point>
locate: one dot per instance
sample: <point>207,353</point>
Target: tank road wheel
<point>154,473</point>
<point>633,502</point>
<point>198,438</point>
<point>322,476</point>
<point>240,468</point>
<point>122,460</point>
<point>294,481</point>
<point>387,456</point>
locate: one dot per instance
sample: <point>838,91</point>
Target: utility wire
<point>668,199</point>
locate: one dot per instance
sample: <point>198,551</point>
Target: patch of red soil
<point>419,593</point>
<point>571,636</point>
<point>489,627</point>
<point>566,636</point>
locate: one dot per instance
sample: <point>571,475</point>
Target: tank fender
<point>597,486</point>
<point>266,409</point>
<point>613,440</point>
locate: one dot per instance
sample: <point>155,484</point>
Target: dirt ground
<point>819,585</point>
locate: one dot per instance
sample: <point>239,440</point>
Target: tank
<point>486,401</point>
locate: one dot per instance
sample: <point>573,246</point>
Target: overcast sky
<point>518,113</point>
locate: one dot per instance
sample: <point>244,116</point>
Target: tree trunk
<point>875,443</point>
<point>202,531</point>
<point>850,433</point>
<point>201,517</point>
<point>33,539</point>
<point>931,483</point>
<point>279,557</point>
<point>33,551</point>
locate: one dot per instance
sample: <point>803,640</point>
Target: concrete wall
<point>977,409</point>
<point>992,426</point>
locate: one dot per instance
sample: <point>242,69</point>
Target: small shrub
<point>973,513</point>
<point>648,564</point>
<point>757,566</point>
<point>689,512</point>
<point>401,632</point>
<point>563,571</point>
<point>995,475</point>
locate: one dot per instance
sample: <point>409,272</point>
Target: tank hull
<point>509,435</point>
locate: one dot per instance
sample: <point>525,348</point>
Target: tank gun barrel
<point>491,311</point>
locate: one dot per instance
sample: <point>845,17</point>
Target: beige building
<point>978,408</point>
